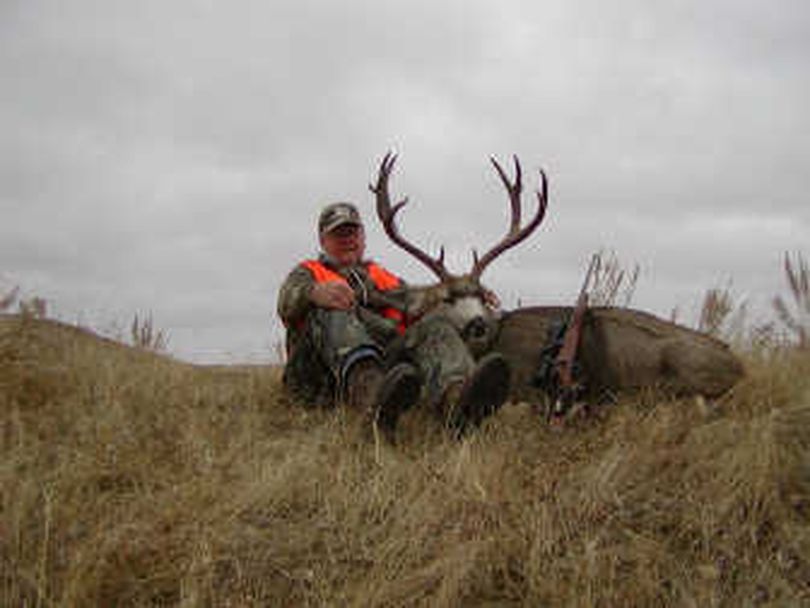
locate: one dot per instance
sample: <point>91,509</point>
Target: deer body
<point>620,349</point>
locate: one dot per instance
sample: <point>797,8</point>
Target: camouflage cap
<point>337,214</point>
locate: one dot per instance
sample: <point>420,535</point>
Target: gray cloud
<point>172,157</point>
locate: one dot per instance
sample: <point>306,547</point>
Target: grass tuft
<point>715,311</point>
<point>611,283</point>
<point>796,318</point>
<point>146,336</point>
<point>8,299</point>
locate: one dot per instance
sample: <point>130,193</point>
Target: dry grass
<point>145,335</point>
<point>35,306</point>
<point>797,320</point>
<point>715,310</point>
<point>611,283</point>
<point>8,299</point>
<point>128,478</point>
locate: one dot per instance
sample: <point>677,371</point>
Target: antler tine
<point>516,234</point>
<point>387,216</point>
<point>514,190</point>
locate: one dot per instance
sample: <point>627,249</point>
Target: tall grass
<point>796,317</point>
<point>721,315</point>
<point>8,299</point>
<point>34,306</point>
<point>129,478</point>
<point>715,310</point>
<point>611,284</point>
<point>145,335</point>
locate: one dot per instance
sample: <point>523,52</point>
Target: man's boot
<point>469,402</point>
<point>398,393</point>
<point>383,397</point>
<point>362,382</point>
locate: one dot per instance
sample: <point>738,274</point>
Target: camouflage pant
<point>332,339</point>
<point>435,347</point>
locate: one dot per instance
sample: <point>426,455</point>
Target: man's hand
<point>491,300</point>
<point>332,294</point>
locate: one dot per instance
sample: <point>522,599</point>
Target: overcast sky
<point>171,157</point>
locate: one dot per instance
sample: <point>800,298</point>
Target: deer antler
<point>516,234</point>
<point>386,213</point>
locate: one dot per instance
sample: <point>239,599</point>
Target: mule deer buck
<point>620,349</point>
<point>471,306</point>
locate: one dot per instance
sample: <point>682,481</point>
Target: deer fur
<point>621,350</point>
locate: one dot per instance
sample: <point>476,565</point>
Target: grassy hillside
<point>128,478</point>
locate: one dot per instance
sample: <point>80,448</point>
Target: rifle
<point>567,385</point>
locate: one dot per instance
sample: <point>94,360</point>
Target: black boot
<point>480,395</point>
<point>397,393</point>
<point>362,382</point>
<point>382,397</point>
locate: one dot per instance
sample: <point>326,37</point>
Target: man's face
<point>345,244</point>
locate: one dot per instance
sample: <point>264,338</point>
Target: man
<point>348,338</point>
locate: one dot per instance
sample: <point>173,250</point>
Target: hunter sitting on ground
<point>349,339</point>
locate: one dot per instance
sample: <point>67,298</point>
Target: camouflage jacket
<point>294,302</point>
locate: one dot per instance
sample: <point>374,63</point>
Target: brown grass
<point>611,284</point>
<point>715,310</point>
<point>128,478</point>
<point>145,335</point>
<point>8,299</point>
<point>796,318</point>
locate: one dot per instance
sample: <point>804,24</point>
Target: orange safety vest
<point>382,279</point>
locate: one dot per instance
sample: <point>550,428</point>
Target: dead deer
<point>621,349</point>
<point>462,298</point>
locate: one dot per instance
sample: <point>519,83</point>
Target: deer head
<point>462,298</point>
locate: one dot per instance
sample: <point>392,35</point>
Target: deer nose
<point>476,329</point>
